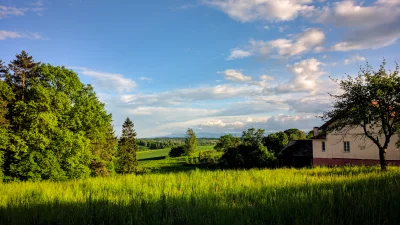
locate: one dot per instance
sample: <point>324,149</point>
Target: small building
<point>349,147</point>
<point>298,153</point>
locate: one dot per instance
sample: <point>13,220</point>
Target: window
<point>323,146</point>
<point>346,146</point>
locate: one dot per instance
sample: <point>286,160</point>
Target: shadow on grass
<point>153,158</point>
<point>174,168</point>
<point>369,201</point>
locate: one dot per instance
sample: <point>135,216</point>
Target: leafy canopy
<point>51,125</point>
<point>371,101</point>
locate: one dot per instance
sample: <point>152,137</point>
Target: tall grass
<point>349,195</point>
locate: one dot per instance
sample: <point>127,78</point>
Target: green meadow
<point>343,195</point>
<point>153,161</point>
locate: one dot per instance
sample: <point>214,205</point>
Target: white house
<point>350,147</point>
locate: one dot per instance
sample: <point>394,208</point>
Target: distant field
<point>152,153</point>
<point>164,152</point>
<point>336,196</point>
<point>157,160</point>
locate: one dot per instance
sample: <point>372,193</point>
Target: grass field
<point>151,154</point>
<point>348,195</point>
<point>158,160</point>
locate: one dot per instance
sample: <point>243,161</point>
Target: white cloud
<point>235,75</point>
<point>368,27</point>
<point>302,43</point>
<point>310,104</point>
<point>108,81</point>
<point>4,34</point>
<point>11,11</point>
<point>203,109</point>
<point>275,123</point>
<point>8,35</point>
<point>238,54</point>
<point>145,79</point>
<point>349,14</point>
<point>263,82</point>
<point>266,27</point>
<point>190,95</point>
<point>373,38</point>
<point>354,58</point>
<point>306,78</point>
<point>7,11</point>
<point>266,77</point>
<point>265,10</point>
<point>170,113</point>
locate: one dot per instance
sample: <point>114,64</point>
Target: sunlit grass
<point>348,195</point>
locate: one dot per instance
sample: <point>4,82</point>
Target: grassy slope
<point>156,160</point>
<point>164,152</point>
<point>284,196</point>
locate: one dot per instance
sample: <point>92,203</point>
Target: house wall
<point>362,149</point>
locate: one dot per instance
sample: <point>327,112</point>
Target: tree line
<point>160,143</point>
<point>252,149</point>
<point>52,126</point>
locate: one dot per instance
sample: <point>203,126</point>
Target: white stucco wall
<point>360,146</point>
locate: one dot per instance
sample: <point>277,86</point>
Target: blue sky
<point>213,65</point>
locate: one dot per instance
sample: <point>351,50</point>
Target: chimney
<point>316,131</point>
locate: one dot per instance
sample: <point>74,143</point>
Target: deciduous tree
<point>371,101</point>
<point>226,141</point>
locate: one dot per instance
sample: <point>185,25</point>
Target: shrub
<point>248,156</point>
<point>177,151</point>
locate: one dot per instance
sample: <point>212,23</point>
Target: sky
<point>217,66</point>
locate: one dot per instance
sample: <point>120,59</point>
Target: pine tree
<point>22,66</point>
<point>127,148</point>
<point>190,141</point>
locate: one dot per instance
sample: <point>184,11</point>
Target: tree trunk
<point>382,158</point>
<point>23,87</point>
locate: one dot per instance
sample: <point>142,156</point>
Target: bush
<point>208,157</point>
<point>248,156</point>
<point>177,151</point>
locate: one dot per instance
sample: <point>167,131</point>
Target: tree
<point>275,142</point>
<point>190,141</point>
<point>295,134</point>
<point>22,67</point>
<point>371,101</point>
<point>227,141</point>
<point>310,134</point>
<point>177,151</point>
<point>103,151</point>
<point>6,95</point>
<point>127,148</point>
<point>250,153</point>
<point>252,137</point>
<point>55,126</point>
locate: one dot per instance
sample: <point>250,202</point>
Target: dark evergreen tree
<point>23,67</point>
<point>127,148</point>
